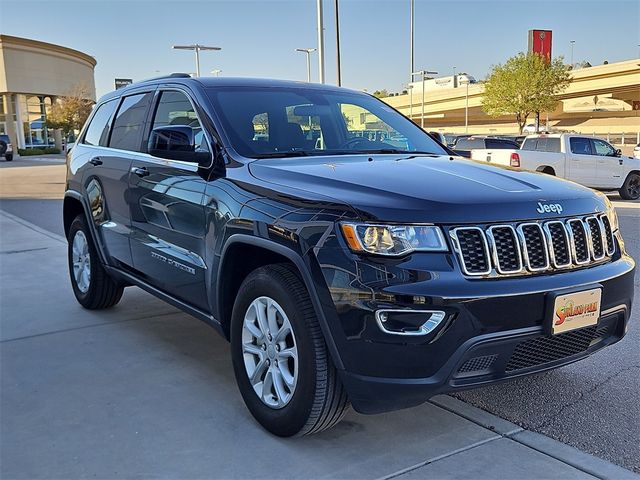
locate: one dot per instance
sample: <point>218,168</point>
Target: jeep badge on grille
<point>549,207</point>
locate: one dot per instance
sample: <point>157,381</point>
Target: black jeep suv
<point>348,257</point>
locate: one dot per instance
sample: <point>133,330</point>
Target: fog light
<point>409,322</point>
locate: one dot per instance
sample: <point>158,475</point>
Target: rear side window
<point>129,122</point>
<point>580,146</point>
<point>98,129</point>
<point>469,143</point>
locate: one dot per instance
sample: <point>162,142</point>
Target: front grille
<point>540,350</point>
<point>473,242</point>
<point>578,232</point>
<point>534,246</point>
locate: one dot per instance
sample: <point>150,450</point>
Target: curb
<point>560,451</point>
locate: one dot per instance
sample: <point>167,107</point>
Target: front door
<point>167,212</point>
<point>610,167</point>
<point>581,166</point>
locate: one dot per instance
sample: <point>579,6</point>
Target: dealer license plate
<point>576,310</point>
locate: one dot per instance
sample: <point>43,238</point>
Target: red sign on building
<point>540,43</point>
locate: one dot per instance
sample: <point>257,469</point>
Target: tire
<point>317,400</point>
<point>97,290</point>
<point>630,189</point>
<point>8,157</point>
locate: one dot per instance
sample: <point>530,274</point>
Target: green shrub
<point>30,152</point>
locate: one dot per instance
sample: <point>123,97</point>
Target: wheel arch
<point>548,169</point>
<point>73,205</point>
<point>229,278</point>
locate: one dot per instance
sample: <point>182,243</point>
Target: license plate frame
<point>573,309</point>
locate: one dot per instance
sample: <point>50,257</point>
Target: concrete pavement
<point>143,390</point>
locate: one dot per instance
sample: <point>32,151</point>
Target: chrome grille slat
<point>533,247</point>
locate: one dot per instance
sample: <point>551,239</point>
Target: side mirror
<point>176,142</point>
<point>618,152</point>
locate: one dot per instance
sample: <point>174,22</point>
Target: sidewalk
<point>143,390</point>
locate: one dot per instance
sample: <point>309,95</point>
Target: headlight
<point>393,240</point>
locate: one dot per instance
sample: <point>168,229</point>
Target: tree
<point>525,84</point>
<point>70,111</point>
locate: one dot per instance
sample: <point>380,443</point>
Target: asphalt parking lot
<point>144,390</point>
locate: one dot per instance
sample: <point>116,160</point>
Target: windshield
<point>296,121</point>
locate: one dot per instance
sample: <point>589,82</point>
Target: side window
<point>603,148</point>
<point>553,145</point>
<point>174,108</point>
<point>98,129</point>
<point>469,143</point>
<point>580,145</point>
<point>500,144</point>
<point>129,122</point>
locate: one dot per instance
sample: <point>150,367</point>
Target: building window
<point>33,116</point>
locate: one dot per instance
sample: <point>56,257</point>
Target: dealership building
<point>33,75</point>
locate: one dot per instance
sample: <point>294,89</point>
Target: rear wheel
<point>280,359</point>
<point>630,189</point>
<point>93,287</point>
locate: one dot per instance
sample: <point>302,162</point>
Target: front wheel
<point>93,287</point>
<point>8,157</point>
<point>630,189</point>
<point>280,358</point>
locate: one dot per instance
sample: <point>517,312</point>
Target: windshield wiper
<point>393,150</point>
<point>291,153</point>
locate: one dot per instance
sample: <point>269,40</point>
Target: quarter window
<point>129,122</point>
<point>98,129</point>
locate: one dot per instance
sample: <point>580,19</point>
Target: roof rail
<point>171,75</point>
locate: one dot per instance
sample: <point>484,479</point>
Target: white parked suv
<point>587,160</point>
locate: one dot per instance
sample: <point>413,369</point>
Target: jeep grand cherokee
<point>348,257</point>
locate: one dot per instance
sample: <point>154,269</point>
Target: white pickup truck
<point>587,160</point>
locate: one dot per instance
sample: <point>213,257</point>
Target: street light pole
<point>197,48</point>
<point>338,70</point>
<point>466,109</point>
<point>572,42</point>
<point>424,74</point>
<point>455,79</point>
<point>411,8</point>
<point>320,42</point>
<point>308,51</point>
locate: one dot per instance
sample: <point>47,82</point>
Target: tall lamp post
<point>455,78</point>
<point>424,74</point>
<point>196,48</point>
<point>409,88</point>
<point>572,42</point>
<point>308,51</point>
<point>411,21</point>
<point>466,107</point>
<point>320,42</point>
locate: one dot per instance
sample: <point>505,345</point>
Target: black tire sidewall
<point>626,195</point>
<point>79,224</point>
<point>290,419</point>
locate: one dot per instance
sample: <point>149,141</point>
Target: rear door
<point>104,178</point>
<point>609,168</point>
<point>581,163</point>
<point>167,212</point>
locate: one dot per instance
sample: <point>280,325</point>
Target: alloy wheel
<point>634,186</point>
<point>81,260</point>
<point>270,352</point>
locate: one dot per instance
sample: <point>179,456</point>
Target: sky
<point>133,38</point>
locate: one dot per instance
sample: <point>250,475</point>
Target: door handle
<point>140,171</point>
<point>95,161</point>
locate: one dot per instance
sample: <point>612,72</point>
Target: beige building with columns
<point>33,75</point>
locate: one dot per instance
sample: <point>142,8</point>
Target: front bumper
<point>494,331</point>
<point>487,359</point>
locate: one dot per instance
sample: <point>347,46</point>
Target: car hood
<point>438,189</point>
